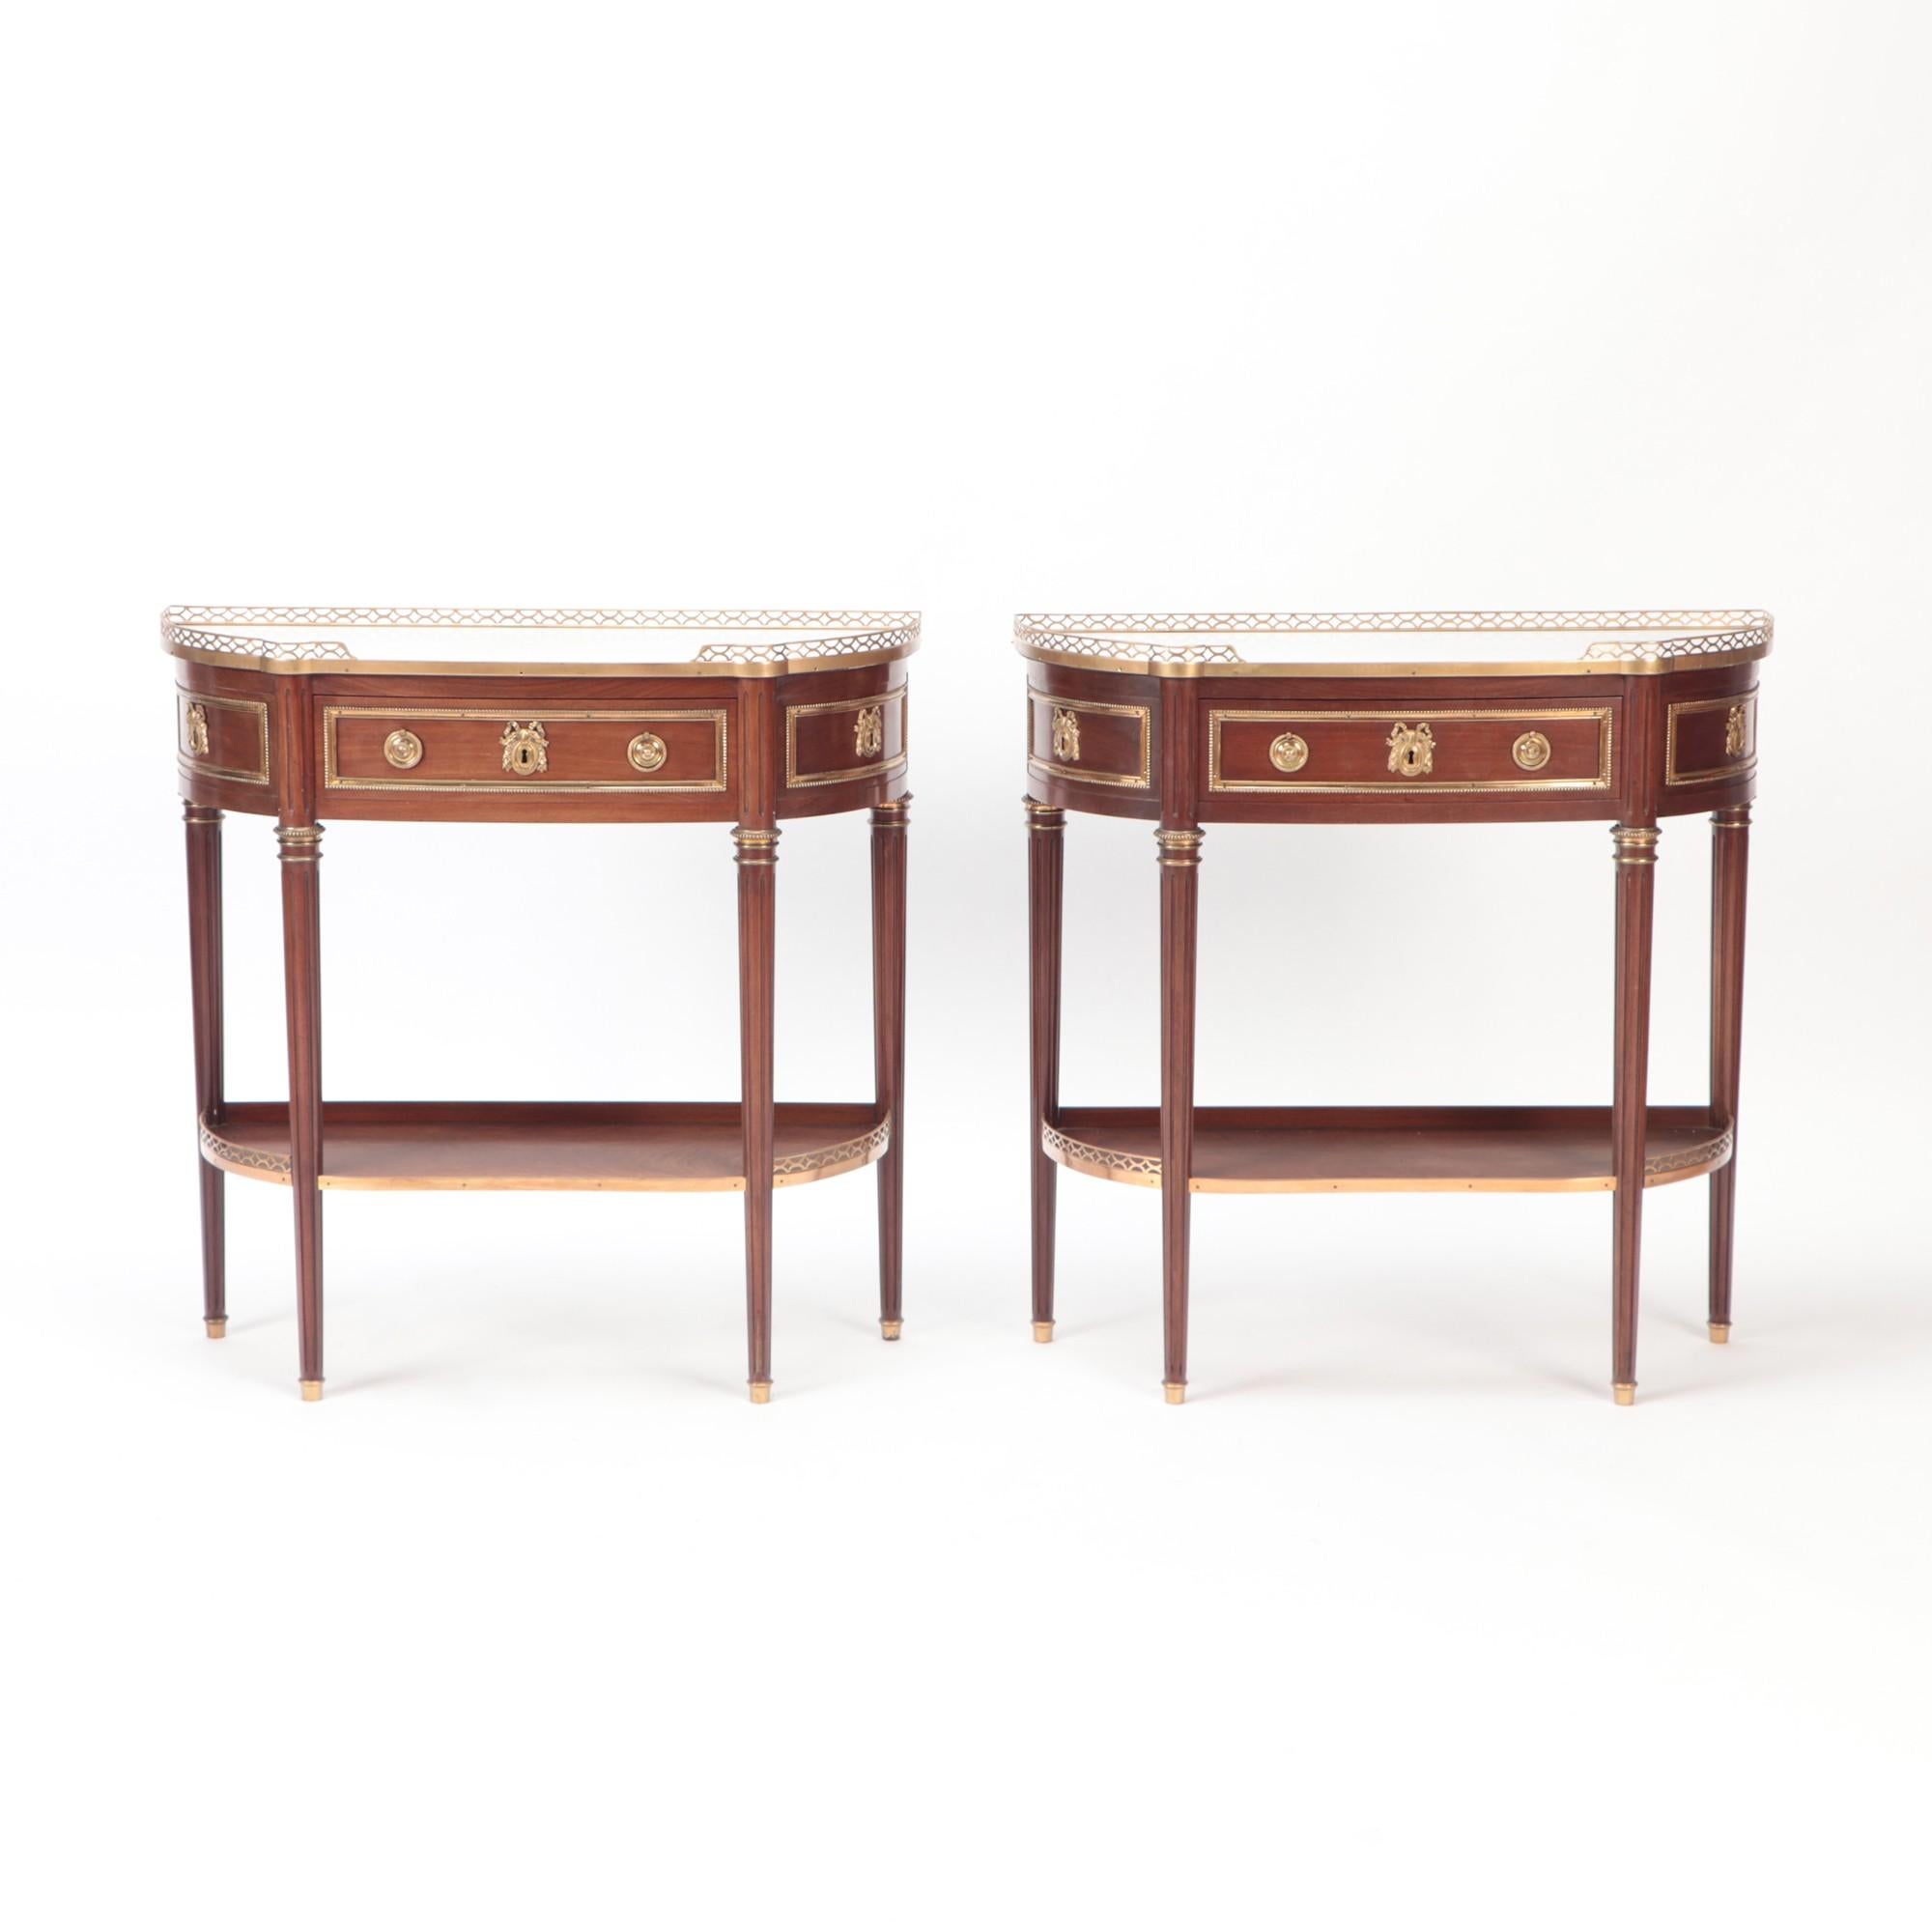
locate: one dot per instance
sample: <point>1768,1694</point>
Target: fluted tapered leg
<point>1730,858</point>
<point>1046,829</point>
<point>204,950</point>
<point>889,985</point>
<point>300,849</point>
<point>1637,882</point>
<point>1179,856</point>
<point>757,850</point>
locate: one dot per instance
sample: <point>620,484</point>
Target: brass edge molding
<point>1178,845</point>
<point>1396,786</point>
<point>201,766</point>
<point>1739,768</point>
<point>1635,844</point>
<point>1139,780</point>
<point>754,845</point>
<point>1731,818</point>
<point>883,768</point>
<point>526,667</point>
<point>1043,817</point>
<point>894,813</point>
<point>716,716</point>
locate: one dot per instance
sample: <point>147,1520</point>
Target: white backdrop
<point>535,1620</point>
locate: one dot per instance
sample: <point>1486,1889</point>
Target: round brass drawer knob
<point>1289,752</point>
<point>648,751</point>
<point>403,750</point>
<point>1531,752</point>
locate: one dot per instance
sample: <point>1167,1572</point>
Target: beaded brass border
<point>885,768</point>
<point>718,717</point>
<point>1140,780</point>
<point>201,766</point>
<point>1604,714</point>
<point>1742,768</point>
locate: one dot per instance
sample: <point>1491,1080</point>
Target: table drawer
<point>1087,742</point>
<point>844,739</point>
<point>411,748</point>
<point>1457,749</point>
<point>221,737</point>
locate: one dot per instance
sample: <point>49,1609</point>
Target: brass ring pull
<point>647,752</point>
<point>1289,752</point>
<point>403,749</point>
<point>1531,752</point>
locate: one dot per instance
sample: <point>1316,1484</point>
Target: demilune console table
<point>752,717</point>
<point>1416,717</point>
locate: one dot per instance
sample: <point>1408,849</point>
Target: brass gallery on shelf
<point>1446,717</point>
<point>743,719</point>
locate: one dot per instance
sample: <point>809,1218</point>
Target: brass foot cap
<point>1175,1392</point>
<point>889,1326</point>
<point>761,1391</point>
<point>218,1326</point>
<point>1625,1393</point>
<point>1721,1331</point>
<point>1042,1331</point>
<point>311,1391</point>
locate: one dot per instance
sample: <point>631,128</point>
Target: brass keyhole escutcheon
<point>1065,735</point>
<point>647,752</point>
<point>869,731</point>
<point>1531,752</point>
<point>197,731</point>
<point>403,749</point>
<point>1411,750</point>
<point>526,749</point>
<point>1289,752</point>
<point>1734,731</point>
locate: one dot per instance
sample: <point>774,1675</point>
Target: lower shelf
<point>1388,1149</point>
<point>663,1147</point>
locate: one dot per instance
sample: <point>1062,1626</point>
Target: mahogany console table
<point>754,717</point>
<point>1629,716</point>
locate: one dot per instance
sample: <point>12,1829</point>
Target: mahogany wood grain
<point>1178,851</point>
<point>889,996</point>
<point>300,853</point>
<point>1046,840</point>
<point>1397,1150</point>
<point>1730,861</point>
<point>203,944</point>
<point>758,852</point>
<point>564,1145</point>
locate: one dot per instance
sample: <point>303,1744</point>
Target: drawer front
<point>847,738</point>
<point>222,737</point>
<point>1706,740</point>
<point>413,748</point>
<point>1459,749</point>
<point>1090,743</point>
